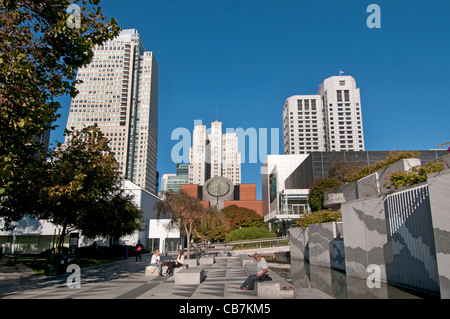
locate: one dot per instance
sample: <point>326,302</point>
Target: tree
<point>315,197</point>
<point>185,211</point>
<point>39,55</point>
<point>242,217</point>
<point>213,224</point>
<point>84,189</point>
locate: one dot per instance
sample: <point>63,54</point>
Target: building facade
<point>214,154</point>
<point>119,92</point>
<point>220,192</point>
<point>331,120</point>
<point>173,182</point>
<point>278,203</point>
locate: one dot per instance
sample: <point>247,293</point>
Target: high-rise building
<point>328,121</point>
<point>173,182</point>
<point>303,124</point>
<point>119,92</point>
<point>214,154</point>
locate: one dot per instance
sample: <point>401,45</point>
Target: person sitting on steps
<point>262,268</point>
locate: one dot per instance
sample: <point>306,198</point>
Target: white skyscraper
<point>214,154</point>
<point>119,92</point>
<point>328,121</point>
<point>303,124</point>
<point>342,110</point>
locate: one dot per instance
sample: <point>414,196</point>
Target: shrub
<point>390,159</point>
<point>418,174</point>
<point>249,233</point>
<point>322,216</point>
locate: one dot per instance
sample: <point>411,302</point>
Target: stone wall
<point>439,186</point>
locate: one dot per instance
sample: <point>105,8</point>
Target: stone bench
<point>149,273</point>
<point>189,276</point>
<point>267,289</point>
<point>207,260</point>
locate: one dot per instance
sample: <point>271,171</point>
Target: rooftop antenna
<point>217,114</point>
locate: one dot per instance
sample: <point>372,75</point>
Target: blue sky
<point>245,57</point>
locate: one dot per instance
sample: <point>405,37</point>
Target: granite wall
<point>439,187</point>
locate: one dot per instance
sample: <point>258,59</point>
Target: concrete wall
<point>365,237</point>
<point>326,246</point>
<point>394,232</point>
<point>299,243</point>
<point>439,187</point>
<point>319,244</point>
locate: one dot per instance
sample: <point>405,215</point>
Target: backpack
<point>265,277</point>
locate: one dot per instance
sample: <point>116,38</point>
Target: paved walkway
<point>124,279</point>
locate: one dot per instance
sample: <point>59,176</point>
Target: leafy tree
<point>185,211</point>
<point>213,224</point>
<point>242,217</point>
<point>84,191</point>
<point>315,197</point>
<point>39,55</point>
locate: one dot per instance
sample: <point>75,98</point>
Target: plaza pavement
<point>124,279</point>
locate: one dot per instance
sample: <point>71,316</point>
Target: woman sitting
<point>176,264</point>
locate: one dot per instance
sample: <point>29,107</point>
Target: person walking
<point>138,249</point>
<point>261,269</point>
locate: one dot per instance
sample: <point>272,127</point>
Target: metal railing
<point>224,247</point>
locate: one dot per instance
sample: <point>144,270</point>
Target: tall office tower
<point>214,154</point>
<point>328,121</point>
<point>119,92</point>
<point>342,110</point>
<point>303,124</point>
<point>198,166</point>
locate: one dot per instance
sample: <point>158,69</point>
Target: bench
<point>207,260</point>
<point>152,271</point>
<point>14,257</point>
<point>267,289</point>
<point>189,276</point>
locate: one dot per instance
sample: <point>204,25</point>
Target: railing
<point>243,244</point>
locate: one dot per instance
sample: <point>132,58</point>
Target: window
<point>339,95</point>
<point>299,105</point>
<point>347,95</point>
<point>313,105</point>
<point>306,105</point>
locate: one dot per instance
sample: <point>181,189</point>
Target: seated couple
<point>156,262</point>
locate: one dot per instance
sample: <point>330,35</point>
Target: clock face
<point>218,188</point>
